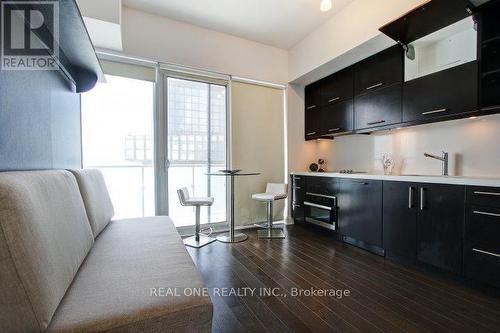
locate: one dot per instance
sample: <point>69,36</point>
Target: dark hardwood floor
<point>384,296</point>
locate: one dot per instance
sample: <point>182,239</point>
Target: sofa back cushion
<point>44,238</point>
<point>96,198</point>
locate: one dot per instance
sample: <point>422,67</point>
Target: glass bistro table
<point>232,236</point>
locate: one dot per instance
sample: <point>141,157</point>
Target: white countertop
<point>454,180</point>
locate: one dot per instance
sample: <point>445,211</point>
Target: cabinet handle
<point>478,212</point>
<point>410,197</point>
<point>296,205</point>
<point>321,195</point>
<point>310,204</point>
<point>486,252</point>
<point>360,182</point>
<point>333,99</point>
<point>376,122</point>
<point>311,133</point>
<point>487,193</point>
<point>298,187</point>
<point>435,111</point>
<point>334,129</point>
<point>311,107</point>
<point>422,198</point>
<point>375,86</point>
<point>296,178</point>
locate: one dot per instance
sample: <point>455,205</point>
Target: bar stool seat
<point>273,193</point>
<point>198,240</point>
<point>201,201</point>
<point>268,196</point>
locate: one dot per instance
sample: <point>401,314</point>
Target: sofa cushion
<point>112,291</point>
<point>96,198</point>
<point>44,238</point>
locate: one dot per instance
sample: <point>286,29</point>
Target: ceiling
<point>279,23</point>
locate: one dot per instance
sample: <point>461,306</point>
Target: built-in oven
<point>321,209</point>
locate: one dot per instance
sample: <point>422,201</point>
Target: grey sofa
<point>66,266</point>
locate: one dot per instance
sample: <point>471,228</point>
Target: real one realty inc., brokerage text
<point>248,292</point>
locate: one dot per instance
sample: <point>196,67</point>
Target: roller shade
<point>137,72</point>
<point>257,144</point>
<point>188,73</point>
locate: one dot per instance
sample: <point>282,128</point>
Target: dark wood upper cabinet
<point>313,96</point>
<point>378,108</point>
<point>442,94</point>
<point>337,118</point>
<point>400,202</point>
<point>379,71</point>
<point>337,87</point>
<point>425,19</point>
<point>440,225</point>
<point>312,123</point>
<point>489,50</point>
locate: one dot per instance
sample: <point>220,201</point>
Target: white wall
<point>166,40</point>
<point>471,143</point>
<point>109,10</point>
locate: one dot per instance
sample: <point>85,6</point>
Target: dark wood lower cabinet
<point>298,196</point>
<point>400,220</point>
<point>440,225</point>
<point>482,232</point>
<point>453,228</point>
<point>360,211</point>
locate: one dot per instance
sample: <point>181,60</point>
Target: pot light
<point>326,5</point>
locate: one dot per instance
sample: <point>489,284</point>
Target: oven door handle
<point>306,203</point>
<point>321,195</point>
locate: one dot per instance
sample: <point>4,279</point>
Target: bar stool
<point>198,240</point>
<point>273,192</point>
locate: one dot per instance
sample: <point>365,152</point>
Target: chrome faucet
<point>443,159</point>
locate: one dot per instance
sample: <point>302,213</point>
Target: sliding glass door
<point>196,144</point>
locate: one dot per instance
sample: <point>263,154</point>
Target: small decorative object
<point>387,164</point>
<point>313,167</point>
<point>321,163</point>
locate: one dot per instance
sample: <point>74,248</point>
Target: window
<point>117,138</point>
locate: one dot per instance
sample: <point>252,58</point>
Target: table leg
<point>232,236</point>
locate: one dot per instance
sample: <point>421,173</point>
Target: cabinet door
<point>312,123</point>
<point>360,210</point>
<point>379,71</point>
<point>378,108</point>
<point>400,220</point>
<point>337,118</point>
<point>312,96</point>
<point>337,87</point>
<point>446,93</point>
<point>440,224</point>
<point>298,196</point>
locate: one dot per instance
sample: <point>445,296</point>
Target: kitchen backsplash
<point>473,146</point>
